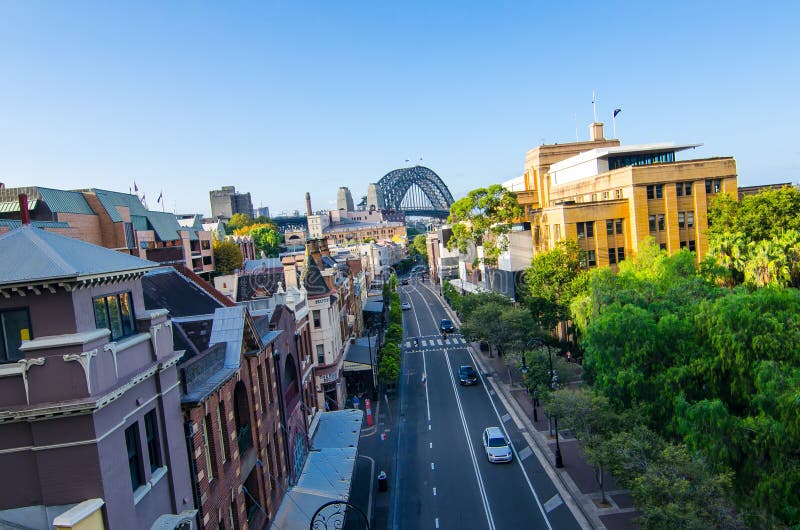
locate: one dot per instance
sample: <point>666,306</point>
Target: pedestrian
<point>569,356</point>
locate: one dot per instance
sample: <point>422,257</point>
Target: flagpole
<point>614,123</point>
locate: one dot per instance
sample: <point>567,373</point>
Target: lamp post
<point>554,386</point>
<point>535,390</point>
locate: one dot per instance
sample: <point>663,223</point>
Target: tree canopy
<point>482,216</point>
<point>227,257</point>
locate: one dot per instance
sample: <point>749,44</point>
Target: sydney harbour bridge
<point>416,190</point>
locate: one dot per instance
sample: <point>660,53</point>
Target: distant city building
<point>375,198</point>
<point>91,423</point>
<point>113,220</point>
<point>344,200</point>
<point>262,211</point>
<point>226,201</point>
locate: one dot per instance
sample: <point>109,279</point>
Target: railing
<point>245,439</point>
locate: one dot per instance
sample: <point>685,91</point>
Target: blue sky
<point>279,98</point>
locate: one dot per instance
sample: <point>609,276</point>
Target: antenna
<point>594,105</point>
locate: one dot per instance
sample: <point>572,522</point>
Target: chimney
<point>24,214</point>
<point>308,204</point>
<point>596,132</point>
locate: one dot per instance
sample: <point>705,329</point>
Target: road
<point>443,479</point>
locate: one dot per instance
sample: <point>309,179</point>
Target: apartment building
<point>90,420</point>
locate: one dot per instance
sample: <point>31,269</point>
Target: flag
<point>135,187</point>
<point>159,196</point>
<point>407,160</point>
<point>143,200</point>
<point>616,111</point>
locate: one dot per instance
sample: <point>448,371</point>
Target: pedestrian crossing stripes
<point>434,342</point>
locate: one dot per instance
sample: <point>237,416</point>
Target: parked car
<point>497,447</point>
<point>467,375</point>
<point>405,305</point>
<point>447,326</point>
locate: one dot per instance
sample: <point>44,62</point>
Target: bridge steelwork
<point>417,191</point>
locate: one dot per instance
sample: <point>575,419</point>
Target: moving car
<point>447,325</point>
<point>405,305</point>
<point>467,375</point>
<point>404,281</point>
<point>497,447</point>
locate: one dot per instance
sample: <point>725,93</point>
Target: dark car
<point>467,375</point>
<point>447,326</point>
<point>404,281</point>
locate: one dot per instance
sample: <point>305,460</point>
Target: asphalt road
<point>442,476</point>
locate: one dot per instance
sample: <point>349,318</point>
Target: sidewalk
<point>577,477</point>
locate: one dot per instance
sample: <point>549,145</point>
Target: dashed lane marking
<point>506,417</point>
<point>553,503</point>
<point>525,453</point>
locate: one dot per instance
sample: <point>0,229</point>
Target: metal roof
<point>58,201</point>
<point>165,225</point>
<point>14,223</point>
<point>263,263</point>
<point>229,329</point>
<point>111,199</point>
<point>31,254</point>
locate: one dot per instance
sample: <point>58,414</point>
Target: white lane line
<point>371,475</point>
<point>429,426</point>
<point>514,449</point>
<point>437,522</point>
<point>553,503</point>
<point>439,342</point>
<point>425,384</point>
<point>525,453</point>
<point>434,492</point>
<point>506,417</point>
<point>431,445</point>
<point>432,466</point>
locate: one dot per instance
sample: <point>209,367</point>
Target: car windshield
<point>446,323</point>
<point>497,442</point>
<point>467,370</point>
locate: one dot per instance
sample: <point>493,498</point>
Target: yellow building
<point>611,197</point>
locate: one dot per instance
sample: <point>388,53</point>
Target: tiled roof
<point>58,201</point>
<point>258,284</point>
<point>32,254</point>
<point>166,288</point>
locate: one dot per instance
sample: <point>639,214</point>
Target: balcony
<point>528,197</point>
<point>166,254</point>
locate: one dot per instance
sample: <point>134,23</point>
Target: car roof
<point>466,366</point>
<point>445,320</point>
<point>494,431</point>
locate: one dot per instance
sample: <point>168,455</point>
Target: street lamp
<point>554,386</point>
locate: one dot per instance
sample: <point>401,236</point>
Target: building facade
<point>89,390</point>
<point>611,198</point>
<point>226,201</point>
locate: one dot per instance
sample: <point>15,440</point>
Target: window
<point>609,226</point>
<point>612,256</point>
<point>655,191</point>
<point>662,246</point>
<point>691,245</point>
<point>713,185</point>
<point>15,326</point>
<point>605,195</point>
<point>316,316</point>
<point>618,224</point>
<point>223,431</point>
<point>651,194</point>
<point>659,191</point>
<point>591,257</point>
<point>320,354</point>
<point>651,220</point>
<point>679,189</point>
<point>115,313</point>
<point>618,194</point>
<point>151,434</point>
<point>585,229</point>
<point>134,455</point>
<point>620,253</point>
<point>681,220</point>
<point>207,448</point>
<point>660,218</point>
<point>683,188</point>
<point>262,388</point>
<point>689,219</point>
<point>557,232</point>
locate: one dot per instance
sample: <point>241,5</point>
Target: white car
<point>405,305</point>
<point>497,447</point>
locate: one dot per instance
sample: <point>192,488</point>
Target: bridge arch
<point>416,189</point>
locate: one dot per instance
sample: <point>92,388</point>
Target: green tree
<point>237,222</point>
<point>482,216</point>
<point>419,246</point>
<point>553,280</point>
<point>266,239</point>
<point>227,257</point>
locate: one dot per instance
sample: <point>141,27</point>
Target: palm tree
<point>767,265</point>
<point>730,252</point>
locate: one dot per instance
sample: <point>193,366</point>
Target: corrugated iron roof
<point>13,206</point>
<point>14,223</point>
<point>229,329</point>
<point>111,199</point>
<point>61,201</point>
<point>32,254</point>
<point>165,225</point>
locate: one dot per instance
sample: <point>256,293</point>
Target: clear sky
<point>279,98</point>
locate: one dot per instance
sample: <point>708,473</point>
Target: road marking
<point>429,426</point>
<point>371,475</point>
<point>425,343</point>
<point>491,392</point>
<point>437,522</point>
<point>438,342</point>
<point>553,503</point>
<point>525,453</point>
<point>434,492</point>
<point>432,466</point>
<point>506,417</point>
<point>431,445</point>
<point>408,344</point>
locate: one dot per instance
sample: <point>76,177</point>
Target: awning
<point>328,471</point>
